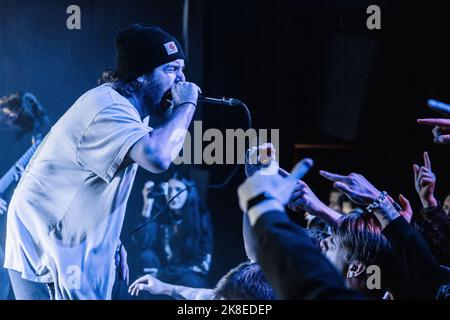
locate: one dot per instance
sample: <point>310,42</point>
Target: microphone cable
<point>232,102</point>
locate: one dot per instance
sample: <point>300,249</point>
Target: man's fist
<point>185,92</point>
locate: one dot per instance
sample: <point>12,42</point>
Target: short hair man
<point>66,215</point>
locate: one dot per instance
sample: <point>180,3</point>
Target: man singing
<point>66,215</point>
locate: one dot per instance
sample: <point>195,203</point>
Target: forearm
<point>168,139</point>
<point>156,151</point>
<point>428,201</point>
<point>386,213</point>
<point>188,293</point>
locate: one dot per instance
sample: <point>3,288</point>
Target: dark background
<point>340,93</point>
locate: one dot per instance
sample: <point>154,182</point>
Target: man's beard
<point>155,100</point>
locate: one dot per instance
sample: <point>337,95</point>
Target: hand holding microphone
<point>261,157</point>
<point>265,186</point>
<point>185,92</point>
<point>268,187</point>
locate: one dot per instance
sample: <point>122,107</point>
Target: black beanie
<point>142,48</point>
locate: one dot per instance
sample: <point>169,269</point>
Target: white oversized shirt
<point>66,214</point>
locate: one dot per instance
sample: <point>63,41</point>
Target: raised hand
<point>355,186</point>
<point>148,186</point>
<point>303,198</point>
<point>425,182</point>
<point>278,188</point>
<point>257,157</point>
<point>441,130</point>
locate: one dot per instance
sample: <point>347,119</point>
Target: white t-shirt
<point>66,214</point>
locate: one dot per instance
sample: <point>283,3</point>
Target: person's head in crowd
<point>317,236</point>
<point>244,282</point>
<point>180,189</point>
<point>150,61</point>
<point>315,223</point>
<point>335,199</point>
<point>22,113</point>
<point>355,244</point>
<point>339,202</point>
<point>446,204</point>
<point>184,205</point>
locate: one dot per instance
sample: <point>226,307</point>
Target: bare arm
<point>304,199</point>
<point>155,151</point>
<point>189,293</point>
<point>154,286</point>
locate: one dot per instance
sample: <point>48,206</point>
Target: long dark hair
<point>194,233</point>
<point>31,116</point>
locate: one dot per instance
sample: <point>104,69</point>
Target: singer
<point>66,215</point>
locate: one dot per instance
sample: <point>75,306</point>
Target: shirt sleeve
<point>105,143</point>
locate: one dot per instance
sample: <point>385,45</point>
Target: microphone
<point>299,171</point>
<point>439,106</point>
<point>221,101</point>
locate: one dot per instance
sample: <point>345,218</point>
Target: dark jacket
<point>434,225</point>
<point>293,265</point>
<point>422,269</point>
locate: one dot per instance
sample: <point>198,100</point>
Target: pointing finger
<point>416,171</point>
<point>426,159</point>
<point>332,176</point>
<point>443,123</point>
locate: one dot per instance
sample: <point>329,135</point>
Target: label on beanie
<point>171,48</point>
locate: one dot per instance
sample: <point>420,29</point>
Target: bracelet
<point>258,199</point>
<point>376,203</point>
<point>183,103</point>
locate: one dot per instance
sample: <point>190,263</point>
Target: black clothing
<point>293,265</point>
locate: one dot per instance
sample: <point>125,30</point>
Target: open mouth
<point>167,95</point>
<point>166,101</point>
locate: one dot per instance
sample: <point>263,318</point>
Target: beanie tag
<point>171,48</point>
